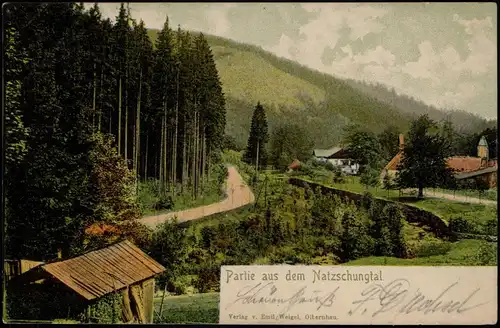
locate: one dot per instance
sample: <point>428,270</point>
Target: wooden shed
<point>75,286</point>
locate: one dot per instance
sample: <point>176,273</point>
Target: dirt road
<point>238,194</point>
<point>459,198</point>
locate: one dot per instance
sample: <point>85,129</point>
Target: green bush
<point>432,248</point>
<point>184,284</point>
<point>461,225</point>
<point>487,254</point>
<point>492,227</point>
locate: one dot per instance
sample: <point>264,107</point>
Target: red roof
<point>295,164</point>
<point>393,164</point>
<point>457,163</point>
<point>464,163</point>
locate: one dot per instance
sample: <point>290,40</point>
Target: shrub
<point>329,166</point>
<point>492,227</point>
<point>164,203</point>
<point>487,254</point>
<point>184,284</point>
<point>461,225</point>
<point>432,248</point>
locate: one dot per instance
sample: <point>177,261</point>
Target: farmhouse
<point>119,278</point>
<point>338,157</point>
<point>465,167</point>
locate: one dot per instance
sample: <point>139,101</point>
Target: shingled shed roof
<point>103,271</point>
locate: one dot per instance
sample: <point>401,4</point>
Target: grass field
<point>197,308</point>
<point>462,253</point>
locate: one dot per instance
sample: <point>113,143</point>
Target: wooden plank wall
<point>148,287</point>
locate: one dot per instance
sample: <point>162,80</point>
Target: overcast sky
<point>442,53</point>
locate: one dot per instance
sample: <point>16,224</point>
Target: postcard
<point>284,163</point>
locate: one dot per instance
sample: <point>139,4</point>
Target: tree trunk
<point>183,176</point>
<point>137,130</point>
<point>126,119</point>
<point>120,116</point>
<point>203,162</point>
<point>193,163</point>
<point>176,137</point>
<point>161,151</point>
<point>420,192</point>
<point>146,156</point>
<point>257,159</point>
<point>94,98</point>
<point>100,102</point>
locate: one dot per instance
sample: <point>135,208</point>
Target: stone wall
<point>412,213</point>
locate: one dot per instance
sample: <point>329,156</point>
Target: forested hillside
<point>321,102</point>
<point>91,110</point>
<point>461,120</point>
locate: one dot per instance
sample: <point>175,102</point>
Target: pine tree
<point>256,147</point>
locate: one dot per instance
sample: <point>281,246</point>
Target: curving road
<point>238,194</point>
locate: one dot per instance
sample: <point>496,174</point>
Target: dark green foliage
<point>388,183</point>
<point>462,225</point>
<point>256,153</point>
<point>492,227</point>
<point>369,176</point>
<point>389,142</point>
<point>44,301</point>
<point>487,254</point>
<point>364,147</point>
<point>74,81</point>
<point>15,131</point>
<point>229,143</point>
<point>169,247</point>
<point>290,142</point>
<point>355,241</point>
<point>424,163</point>
<point>107,309</point>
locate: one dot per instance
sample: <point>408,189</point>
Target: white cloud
<point>325,29</point>
<point>482,49</point>
<point>218,20</point>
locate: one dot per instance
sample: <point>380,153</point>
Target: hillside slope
<point>293,92</point>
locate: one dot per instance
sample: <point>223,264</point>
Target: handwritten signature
<point>267,293</point>
<point>396,296</point>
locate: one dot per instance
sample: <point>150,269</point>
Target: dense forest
<point>91,110</point>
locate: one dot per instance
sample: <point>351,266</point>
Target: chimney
<point>401,142</point>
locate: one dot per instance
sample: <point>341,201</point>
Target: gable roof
<point>103,271</point>
<point>325,152</point>
<point>341,153</point>
<point>464,163</point>
<point>394,162</point>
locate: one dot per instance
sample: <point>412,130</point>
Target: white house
<point>339,157</point>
